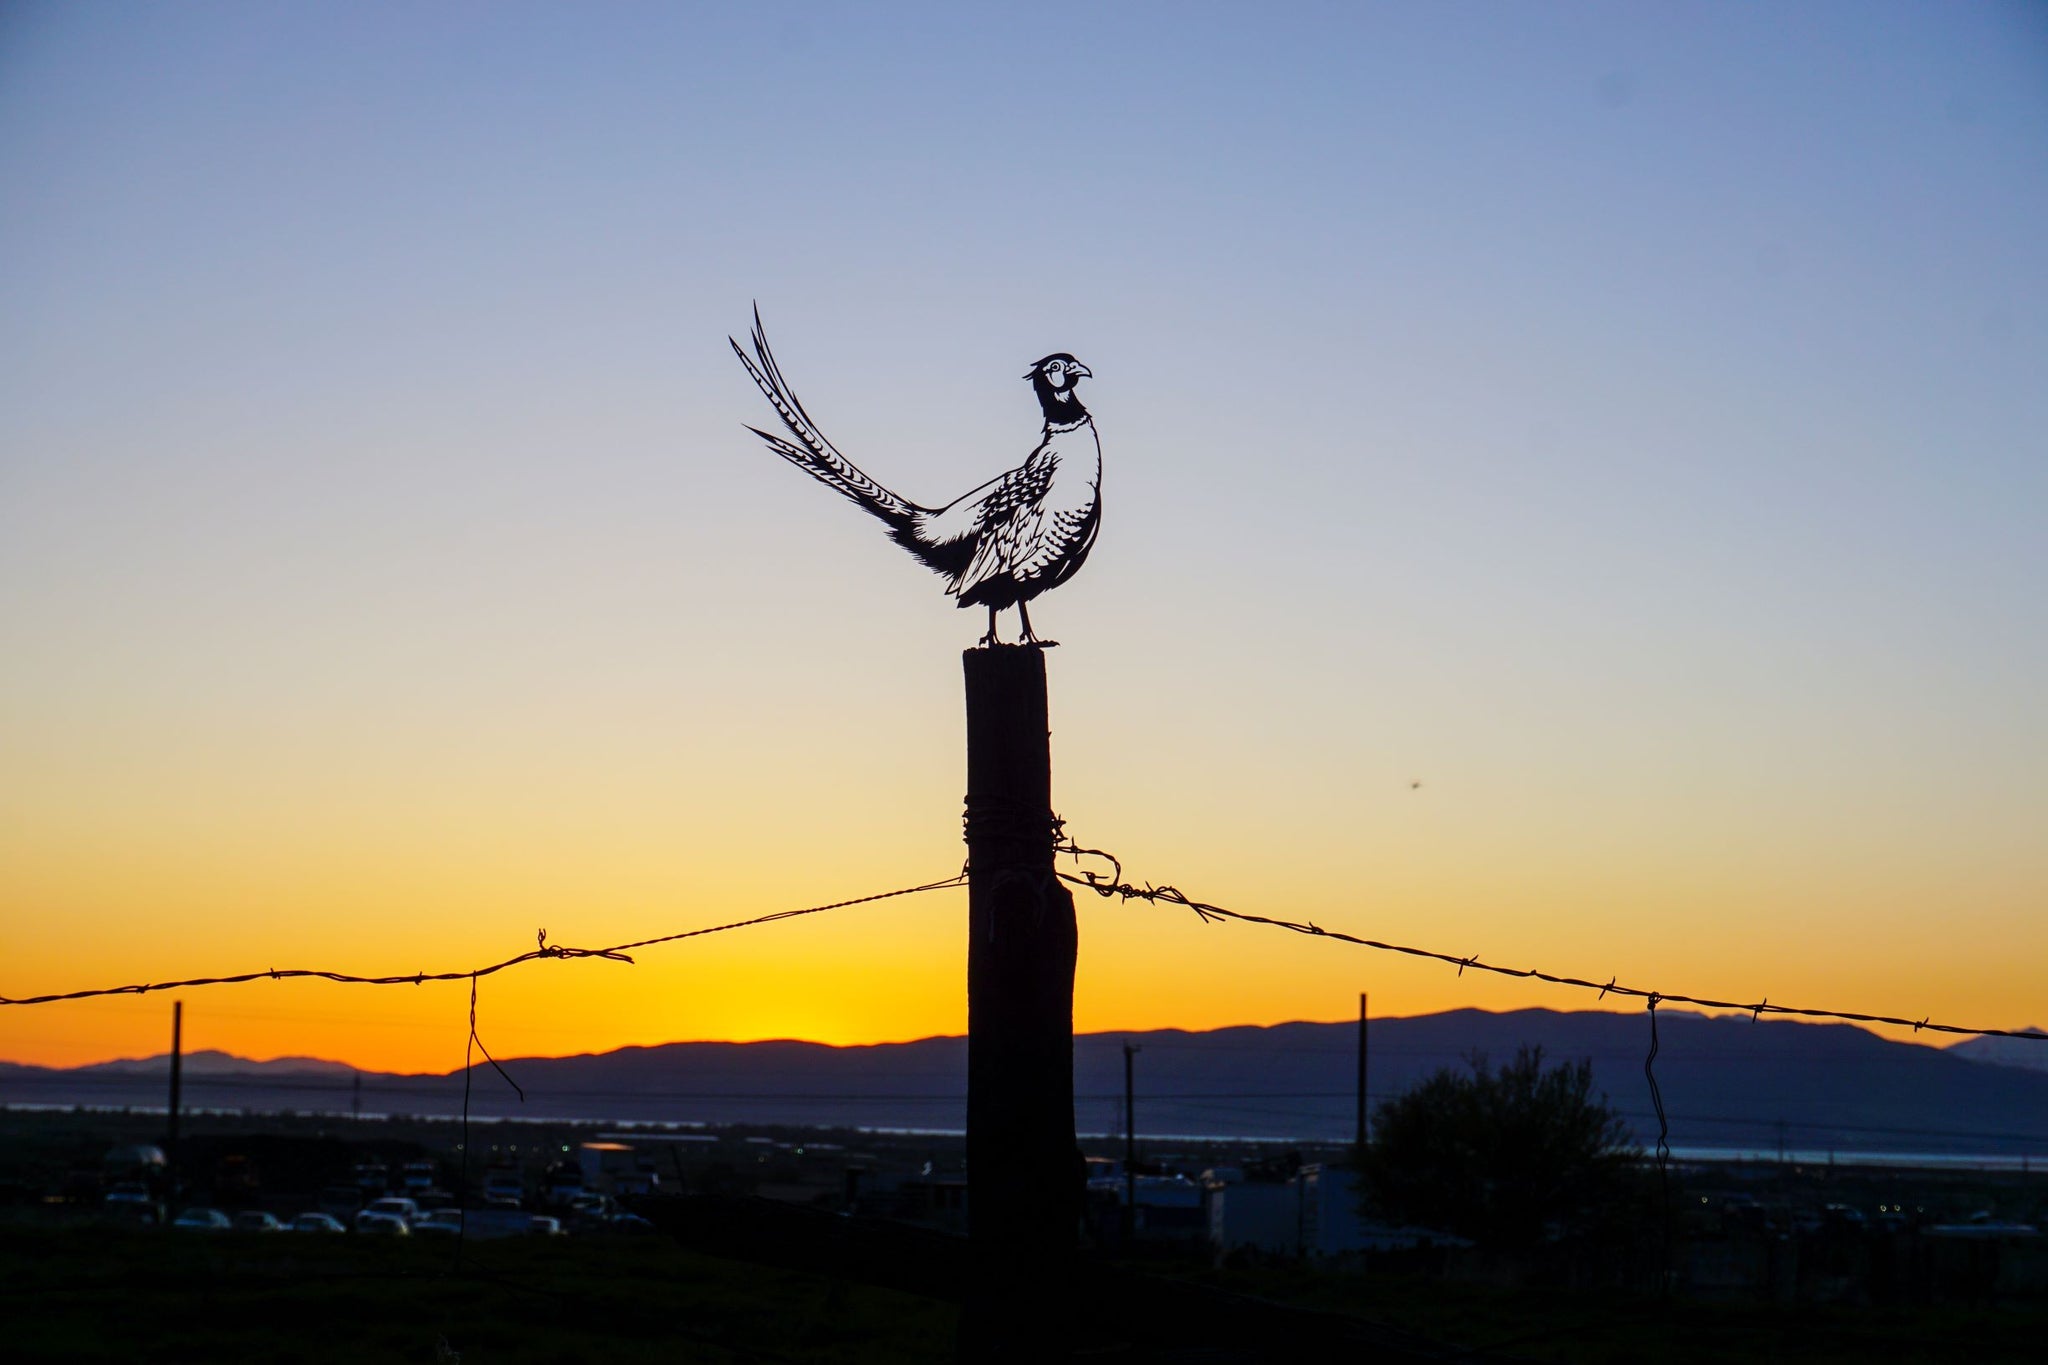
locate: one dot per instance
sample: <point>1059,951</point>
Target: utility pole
<point>1130,1148</point>
<point>1023,1167</point>
<point>1363,1132</point>
<point>177,1067</point>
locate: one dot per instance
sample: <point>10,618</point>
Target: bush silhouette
<point>1510,1158</point>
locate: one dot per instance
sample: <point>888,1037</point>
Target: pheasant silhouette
<point>1001,544</point>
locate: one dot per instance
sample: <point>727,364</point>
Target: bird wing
<point>813,454</point>
<point>1005,519</point>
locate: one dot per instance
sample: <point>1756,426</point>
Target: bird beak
<point>1079,371</point>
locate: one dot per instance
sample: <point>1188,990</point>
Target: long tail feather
<point>811,452</point>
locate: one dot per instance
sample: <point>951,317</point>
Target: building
<point>617,1168</point>
<point>1313,1214</point>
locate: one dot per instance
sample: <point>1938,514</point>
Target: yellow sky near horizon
<point>888,971</point>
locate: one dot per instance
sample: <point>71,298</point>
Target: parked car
<point>256,1220</point>
<point>1843,1216</point>
<point>203,1220</point>
<point>394,1215</point>
<point>562,1184</point>
<point>504,1183</point>
<point>542,1225</point>
<point>342,1202</point>
<point>440,1223</point>
<point>595,1206</point>
<point>317,1222</point>
<point>131,1202</point>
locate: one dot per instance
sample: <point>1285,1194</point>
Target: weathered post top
<point>1009,757</point>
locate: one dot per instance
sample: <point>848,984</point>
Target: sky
<point>1625,421</point>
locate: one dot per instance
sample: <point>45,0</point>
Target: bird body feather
<point>1034,525</point>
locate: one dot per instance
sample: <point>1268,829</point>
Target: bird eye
<point>1057,366</point>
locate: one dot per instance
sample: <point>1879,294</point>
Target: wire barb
<point>1064,843</point>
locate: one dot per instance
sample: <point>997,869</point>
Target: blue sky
<point>1627,418</point>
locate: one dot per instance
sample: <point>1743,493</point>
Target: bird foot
<point>1033,642</point>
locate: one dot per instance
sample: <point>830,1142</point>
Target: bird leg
<point>1024,615</point>
<point>990,638</point>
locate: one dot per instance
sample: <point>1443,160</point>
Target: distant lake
<point>1928,1161</point>
<point>1762,1156</point>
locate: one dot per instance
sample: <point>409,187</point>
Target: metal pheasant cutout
<point>999,545</point>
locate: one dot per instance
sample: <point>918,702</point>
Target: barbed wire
<point>616,953</point>
<point>1114,885</point>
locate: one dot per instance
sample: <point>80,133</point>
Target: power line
<point>617,953</point>
<point>1114,886</point>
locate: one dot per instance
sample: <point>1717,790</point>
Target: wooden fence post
<point>1024,1172</point>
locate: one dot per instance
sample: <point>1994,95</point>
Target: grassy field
<point>103,1295</point>
<point>1616,1329</point>
<point>88,1295</point>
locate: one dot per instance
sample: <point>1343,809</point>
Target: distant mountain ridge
<point>1726,1081</point>
<point>2007,1051</point>
<point>213,1062</point>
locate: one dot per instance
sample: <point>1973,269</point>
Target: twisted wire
<point>1663,1144</point>
<point>474,1044</point>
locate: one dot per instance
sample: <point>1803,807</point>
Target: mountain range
<point>1726,1081</point>
<point>2007,1051</point>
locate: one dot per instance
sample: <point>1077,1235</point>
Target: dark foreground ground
<point>161,1295</point>
<point>149,1295</point>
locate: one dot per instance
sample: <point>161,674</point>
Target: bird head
<point>1057,372</point>
<point>1053,379</point>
